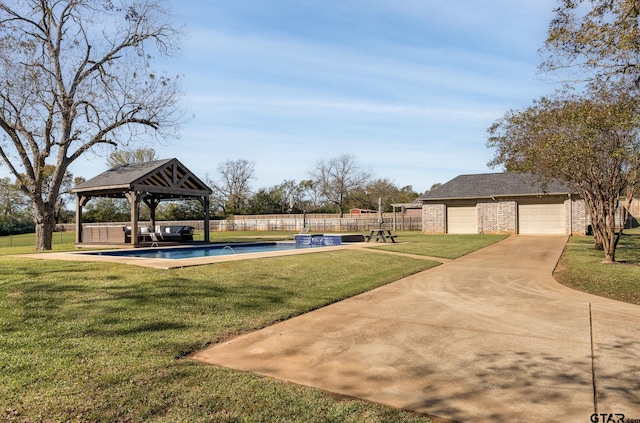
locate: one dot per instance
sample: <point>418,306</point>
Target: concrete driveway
<point>489,337</point>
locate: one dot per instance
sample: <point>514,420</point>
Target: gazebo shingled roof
<point>149,182</point>
<point>168,177</point>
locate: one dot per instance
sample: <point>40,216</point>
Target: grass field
<point>581,268</point>
<point>444,246</point>
<point>107,342</point>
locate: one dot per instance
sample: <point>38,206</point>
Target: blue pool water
<point>204,251</point>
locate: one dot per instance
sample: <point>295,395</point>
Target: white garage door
<point>462,220</point>
<point>541,219</point>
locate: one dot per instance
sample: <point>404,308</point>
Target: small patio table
<point>381,235</point>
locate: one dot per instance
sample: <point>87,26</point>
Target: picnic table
<point>380,235</point>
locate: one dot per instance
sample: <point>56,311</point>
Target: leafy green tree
<point>382,189</point>
<point>106,210</point>
<point>180,210</point>
<point>596,41</point>
<point>287,197</point>
<point>15,214</point>
<point>124,156</point>
<point>591,144</point>
<point>434,186</point>
<point>12,199</point>
<point>267,201</point>
<point>75,76</point>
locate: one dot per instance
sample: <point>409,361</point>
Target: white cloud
<point>407,86</point>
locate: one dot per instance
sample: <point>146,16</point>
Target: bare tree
<point>231,192</point>
<point>338,179</point>
<point>310,197</point>
<point>75,75</point>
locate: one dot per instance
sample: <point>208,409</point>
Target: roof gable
<point>490,185</point>
<point>167,177</point>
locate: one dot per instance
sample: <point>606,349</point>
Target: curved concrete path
<point>490,337</point>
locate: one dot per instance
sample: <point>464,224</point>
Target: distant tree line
<point>335,185</point>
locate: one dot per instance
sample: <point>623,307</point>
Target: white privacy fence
<point>316,223</point>
<point>288,223</point>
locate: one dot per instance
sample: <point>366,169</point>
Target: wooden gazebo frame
<point>150,183</point>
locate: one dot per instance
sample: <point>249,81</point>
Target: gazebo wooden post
<point>134,200</point>
<point>205,203</point>
<point>81,201</point>
<point>152,203</point>
<point>152,215</point>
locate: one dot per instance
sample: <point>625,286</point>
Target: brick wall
<point>507,217</point>
<point>434,218</point>
<point>487,217</point>
<point>497,217</point>
<point>576,212</point>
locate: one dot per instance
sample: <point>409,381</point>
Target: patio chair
<point>156,236</point>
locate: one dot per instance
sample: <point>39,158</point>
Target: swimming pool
<point>196,255</point>
<point>204,251</point>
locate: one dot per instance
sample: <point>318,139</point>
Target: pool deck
<point>186,262</point>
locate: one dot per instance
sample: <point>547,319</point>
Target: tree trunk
<point>605,241</point>
<point>610,254</point>
<point>603,220</point>
<point>597,241</point>
<point>45,221</point>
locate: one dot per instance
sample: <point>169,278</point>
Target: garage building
<point>512,203</point>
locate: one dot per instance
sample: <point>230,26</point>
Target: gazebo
<point>150,183</point>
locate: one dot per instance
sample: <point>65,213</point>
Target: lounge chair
<point>156,237</point>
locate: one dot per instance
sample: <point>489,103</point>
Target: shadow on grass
<point>628,249</point>
<point>168,303</point>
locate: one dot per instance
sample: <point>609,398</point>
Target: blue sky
<point>408,87</point>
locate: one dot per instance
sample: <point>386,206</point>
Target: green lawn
<point>107,342</point>
<point>444,246</point>
<point>581,268</point>
<point>25,243</point>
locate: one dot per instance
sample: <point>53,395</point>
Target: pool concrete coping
<point>166,264</point>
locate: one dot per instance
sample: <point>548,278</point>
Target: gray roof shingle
<point>489,185</point>
<point>166,178</point>
<point>122,176</point>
